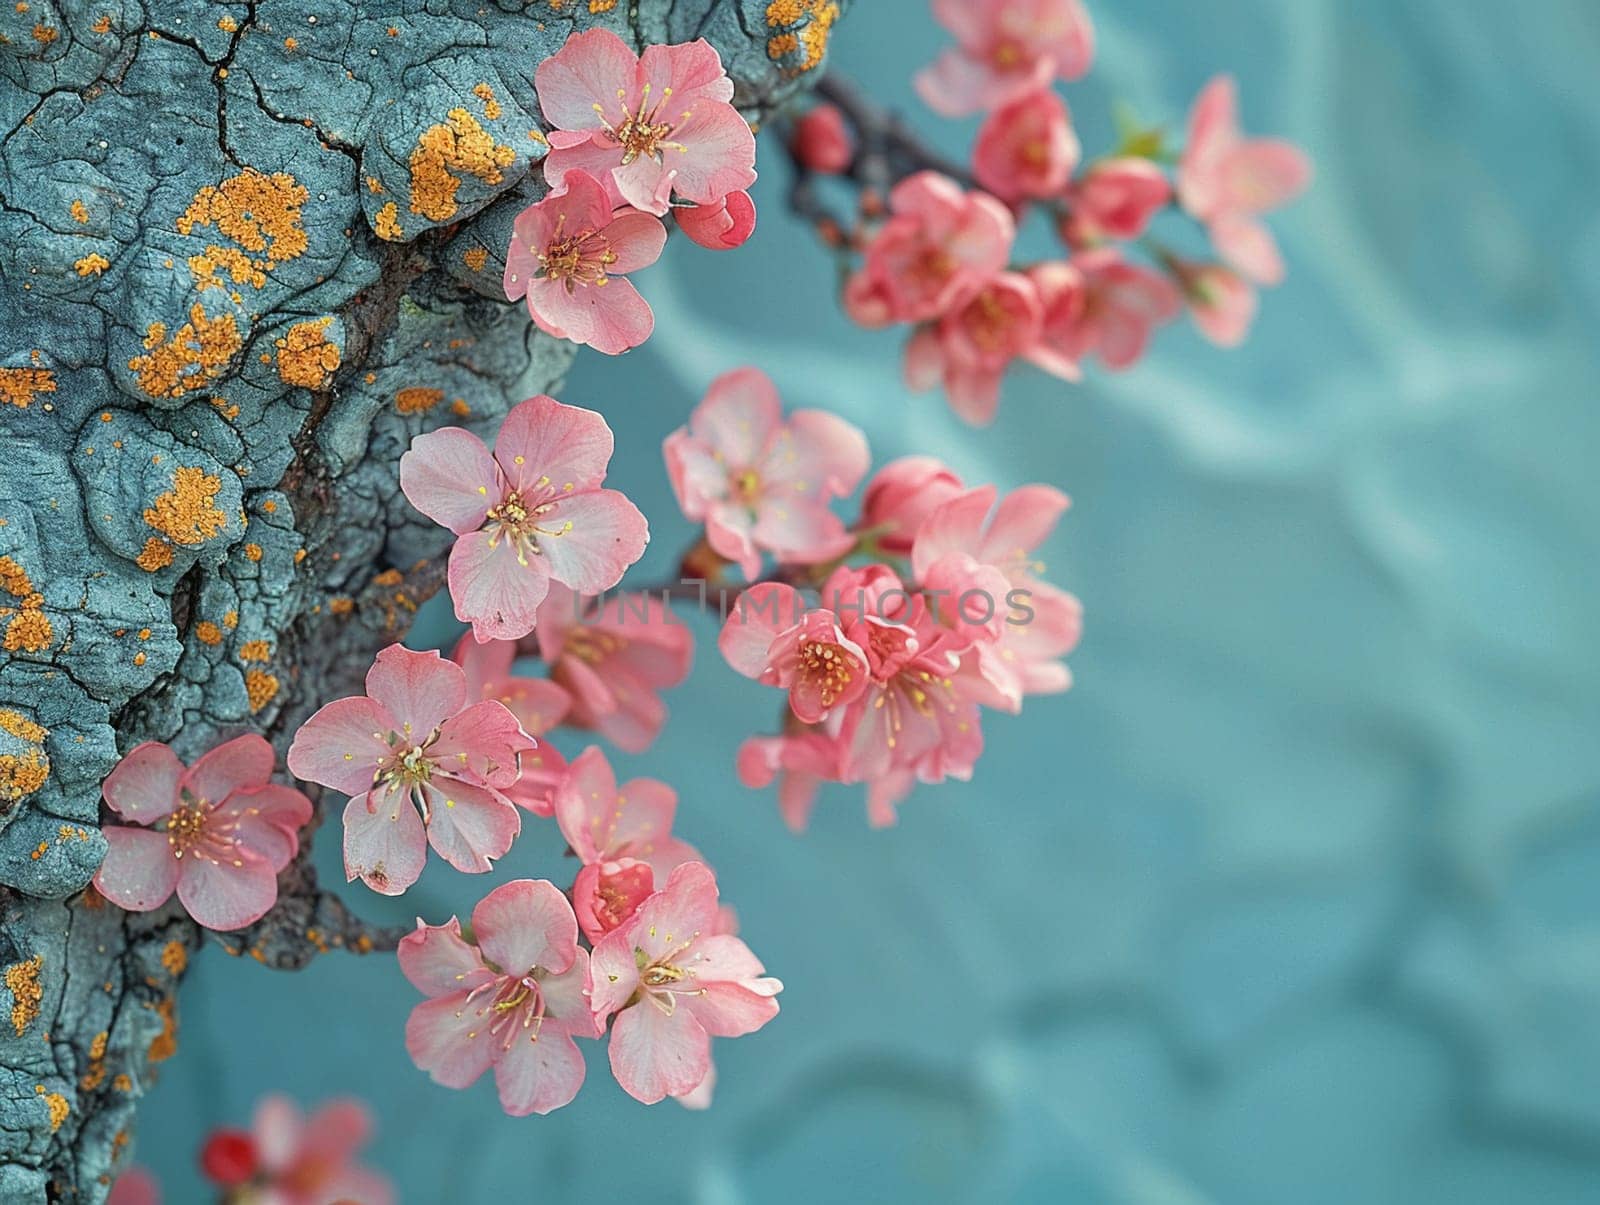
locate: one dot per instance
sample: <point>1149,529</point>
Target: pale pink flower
<point>646,125</point>
<point>569,253</point>
<point>312,1160</point>
<point>821,141</point>
<point>901,494</point>
<point>217,832</point>
<point>513,1000</point>
<point>939,246</point>
<point>539,705</point>
<point>1004,48</point>
<point>614,657</point>
<point>1026,148</point>
<point>722,226</point>
<point>532,512</point>
<point>760,482</point>
<point>675,982</point>
<point>967,542</point>
<point>770,635</point>
<point>799,761</point>
<point>1227,180</point>
<point>1221,302</point>
<point>622,836</point>
<point>422,766</point>
<point>1118,305</point>
<point>135,1186</point>
<point>1115,199</point>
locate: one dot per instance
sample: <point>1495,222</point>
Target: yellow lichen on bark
<point>186,514</point>
<point>458,144</point>
<point>197,353</point>
<point>59,1109</point>
<point>491,104</point>
<point>156,554</point>
<point>417,399</point>
<point>387,224</point>
<point>19,386</point>
<point>22,980</point>
<point>22,774</point>
<point>259,212</point>
<point>814,19</point>
<point>306,356</point>
<point>91,265</point>
<point>28,627</point>
<point>475,258</point>
<point>260,688</point>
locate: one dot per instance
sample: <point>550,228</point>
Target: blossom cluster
<point>940,256</point>
<point>632,138</point>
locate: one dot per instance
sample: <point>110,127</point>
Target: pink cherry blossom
<point>1221,302</point>
<point>1227,180</point>
<point>531,513</point>
<point>539,705</point>
<point>675,982</point>
<point>646,125</point>
<point>722,226</point>
<point>1004,48</point>
<point>966,543</point>
<point>1026,148</point>
<point>1115,199</point>
<point>770,635</point>
<point>312,1160</point>
<point>514,1000</point>
<point>760,482</point>
<point>623,837</point>
<point>569,253</point>
<point>901,494</point>
<point>1118,304</point>
<point>217,832</point>
<point>614,657</point>
<point>135,1186</point>
<point>422,766</point>
<point>939,246</point>
<point>800,762</point>
<point>821,141</point>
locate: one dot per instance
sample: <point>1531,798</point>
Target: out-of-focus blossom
<point>772,636</point>
<point>675,982</point>
<point>939,246</point>
<point>513,1000</point>
<point>533,512</point>
<point>1221,302</point>
<point>1004,48</point>
<point>821,141</point>
<point>760,482</point>
<point>135,1186</point>
<point>217,832</point>
<point>1026,148</point>
<point>722,226</point>
<point>311,1160</point>
<point>568,258</point>
<point>613,657</point>
<point>1120,304</point>
<point>647,125</point>
<point>1114,199</point>
<point>539,705</point>
<point>901,494</point>
<point>229,1157</point>
<point>800,762</point>
<point>1227,181</point>
<point>422,767</point>
<point>622,836</point>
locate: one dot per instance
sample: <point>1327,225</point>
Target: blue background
<point>1293,898</point>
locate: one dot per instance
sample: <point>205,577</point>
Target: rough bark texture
<point>247,251</point>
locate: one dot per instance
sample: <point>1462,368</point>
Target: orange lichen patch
<point>123,1082</point>
<point>102,23</point>
<point>417,399</point>
<point>198,352</point>
<point>222,407</point>
<point>815,19</point>
<point>241,269</point>
<point>19,385</point>
<point>341,606</point>
<point>389,577</point>
<point>491,105</point>
<point>306,356</point>
<point>260,688</point>
<point>230,620</point>
<point>255,650</point>
<point>374,185</point>
<point>155,555</point>
<point>476,258</point>
<point>14,579</point>
<point>253,551</point>
<point>29,631</point>
<point>459,408</point>
<point>458,144</point>
<point>290,45</point>
<point>227,24</point>
<point>259,212</point>
<point>22,774</point>
<point>21,727</point>
<point>92,264</point>
<point>165,1044</point>
<point>22,980</point>
<point>186,514</point>
<point>175,957</point>
<point>387,223</point>
<point>59,1109</point>
<point>269,507</point>
<point>207,632</point>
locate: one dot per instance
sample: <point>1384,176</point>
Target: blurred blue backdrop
<point>1294,897</point>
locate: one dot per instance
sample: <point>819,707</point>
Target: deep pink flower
<point>770,635</point>
<point>217,832</point>
<point>1115,199</point>
<point>759,482</point>
<point>569,253</point>
<point>646,125</point>
<point>1026,148</point>
<point>674,983</point>
<point>1227,180</point>
<point>821,141</point>
<point>422,766</point>
<point>513,1001</point>
<point>800,762</point>
<point>938,248</point>
<point>312,1160</point>
<point>1221,302</point>
<point>623,837</point>
<point>901,494</point>
<point>613,658</point>
<point>1004,48</point>
<point>539,705</point>
<point>720,227</point>
<point>532,512</point>
<point>1118,304</point>
<point>962,545</point>
<point>135,1186</point>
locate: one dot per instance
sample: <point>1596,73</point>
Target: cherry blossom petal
<point>337,1131</point>
<point>802,532</point>
<point>578,84</point>
<point>613,971</point>
<point>956,526</point>
<point>468,825</point>
<point>738,416</point>
<point>818,453</point>
<point>691,70</point>
<point>611,320</point>
<point>584,803</point>
<point>245,761</point>
<point>1023,520</point>
<point>636,240</point>
<point>483,741</point>
<point>143,785</point>
<point>596,156</point>
<point>139,872</point>
<point>438,961</point>
<point>447,1038</point>
<point>524,924</point>
<point>268,820</point>
<point>227,895</point>
<point>341,743</point>
<point>494,591</point>
<point>644,183</point>
<point>384,848</point>
<point>278,1128</point>
<point>1262,174</point>
<point>566,998</point>
<point>541,1071</point>
<point>730,531</point>
<point>449,476</point>
<point>758,616</point>
<point>720,227</point>
<point>1247,246</point>
<point>686,905</point>
<point>420,690</point>
<point>599,534</point>
<point>546,444</point>
<point>654,1055</point>
<point>719,156</point>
